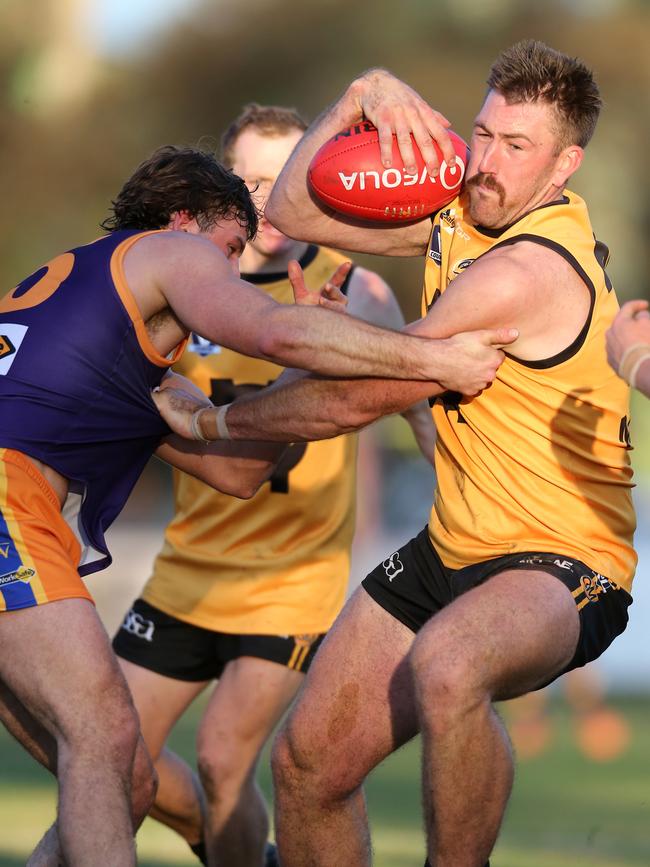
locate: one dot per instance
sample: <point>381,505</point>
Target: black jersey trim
<point>496,233</point>
<point>276,276</point>
<point>573,347</point>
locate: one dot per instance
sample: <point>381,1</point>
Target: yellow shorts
<point>39,553</point>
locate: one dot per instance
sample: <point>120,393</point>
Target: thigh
<point>26,729</point>
<point>159,701</point>
<point>167,663</point>
<point>57,661</point>
<point>357,703</point>
<point>513,633</point>
<point>247,703</point>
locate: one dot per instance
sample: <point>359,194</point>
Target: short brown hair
<point>269,120</point>
<point>530,71</point>
<point>182,179</point>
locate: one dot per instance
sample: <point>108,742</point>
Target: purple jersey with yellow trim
<point>76,372</point>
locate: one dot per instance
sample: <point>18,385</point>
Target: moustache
<point>489,182</point>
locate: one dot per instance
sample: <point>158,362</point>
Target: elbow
<point>278,340</point>
<point>288,216</point>
<point>275,213</point>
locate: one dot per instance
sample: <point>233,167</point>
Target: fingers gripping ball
<point>348,175</point>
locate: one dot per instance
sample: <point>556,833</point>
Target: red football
<point>347,174</point>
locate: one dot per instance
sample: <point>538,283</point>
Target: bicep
<point>493,293</point>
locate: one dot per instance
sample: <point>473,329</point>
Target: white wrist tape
<point>631,361</point>
<point>195,428</point>
<point>222,427</point>
<point>636,367</point>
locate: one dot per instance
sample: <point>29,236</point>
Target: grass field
<point>566,811</point>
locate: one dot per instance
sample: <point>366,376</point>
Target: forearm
<point>333,345</point>
<point>311,408</point>
<point>290,207</point>
<point>235,468</point>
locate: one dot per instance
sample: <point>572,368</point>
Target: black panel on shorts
<point>159,642</point>
<point>413,584</point>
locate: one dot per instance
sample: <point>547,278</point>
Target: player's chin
<point>484,213</point>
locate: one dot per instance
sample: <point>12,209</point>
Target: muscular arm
<point>190,276</point>
<point>238,469</point>
<point>394,108</point>
<point>526,287</point>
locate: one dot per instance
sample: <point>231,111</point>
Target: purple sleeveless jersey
<point>75,385</point>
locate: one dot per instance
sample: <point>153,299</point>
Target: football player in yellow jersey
<point>244,590</point>
<point>525,569</point>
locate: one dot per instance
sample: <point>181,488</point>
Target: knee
<point>284,765</point>
<point>302,769</point>
<point>222,770</point>
<point>120,736</point>
<point>447,682</point>
<point>144,785</point>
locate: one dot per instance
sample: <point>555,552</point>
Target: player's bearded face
<point>513,161</point>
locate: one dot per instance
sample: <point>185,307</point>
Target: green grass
<point>565,811</point>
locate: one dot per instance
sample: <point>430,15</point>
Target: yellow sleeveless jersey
<point>539,461</point>
<point>278,563</point>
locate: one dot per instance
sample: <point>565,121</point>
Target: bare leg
<point>356,707</point>
<point>41,745</point>
<point>71,687</point>
<point>246,705</point>
<point>496,641</point>
<point>160,701</point>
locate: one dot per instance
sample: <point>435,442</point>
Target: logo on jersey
<point>461,266</point>
<point>23,573</point>
<point>393,566</point>
<point>11,336</point>
<point>4,550</point>
<point>435,249</point>
<point>448,220</point>
<point>137,625</point>
<point>202,347</point>
<point>6,346</point>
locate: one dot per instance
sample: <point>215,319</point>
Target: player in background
<point>244,591</point>
<point>628,345</point>
<point>83,341</point>
<point>525,569</point>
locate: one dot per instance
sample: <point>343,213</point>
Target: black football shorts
<point>413,584</point>
<point>159,642</point>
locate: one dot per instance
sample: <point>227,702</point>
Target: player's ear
<point>182,221</point>
<point>568,162</point>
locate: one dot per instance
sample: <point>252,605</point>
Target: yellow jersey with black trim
<point>539,461</point>
<point>279,562</point>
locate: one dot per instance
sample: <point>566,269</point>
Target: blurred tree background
<point>84,100</point>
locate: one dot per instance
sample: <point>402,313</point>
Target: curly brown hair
<point>530,71</point>
<point>177,179</point>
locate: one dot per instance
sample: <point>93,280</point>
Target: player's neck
<point>254,262</point>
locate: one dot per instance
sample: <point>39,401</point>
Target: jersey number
<point>225,391</point>
<point>39,286</point>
